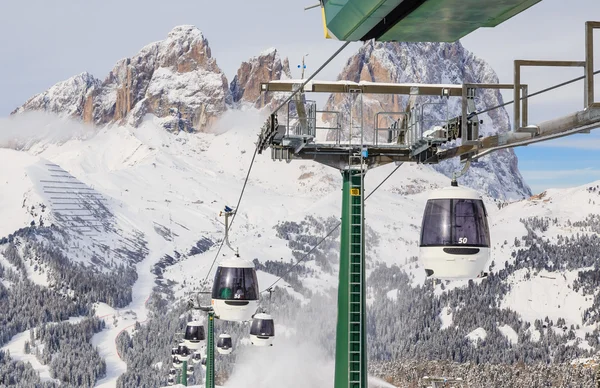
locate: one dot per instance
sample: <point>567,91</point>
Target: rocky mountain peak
<point>437,63</point>
<point>175,79</point>
<point>245,87</point>
<point>68,97</point>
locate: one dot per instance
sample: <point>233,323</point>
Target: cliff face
<point>436,63</point>
<point>245,87</point>
<point>176,79</point>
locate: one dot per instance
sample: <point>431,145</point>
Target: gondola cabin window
<point>448,222</point>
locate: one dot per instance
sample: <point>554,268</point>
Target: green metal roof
<point>416,20</point>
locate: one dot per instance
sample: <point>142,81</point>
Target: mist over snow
<point>21,132</point>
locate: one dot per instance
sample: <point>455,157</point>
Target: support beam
<point>518,87</point>
<point>351,336</point>
<point>589,63</point>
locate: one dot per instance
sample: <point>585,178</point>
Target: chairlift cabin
<point>262,330</point>
<point>235,290</point>
<point>194,335</point>
<point>455,237</point>
<point>224,344</point>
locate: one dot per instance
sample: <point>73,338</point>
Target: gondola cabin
<point>455,237</point>
<point>197,357</point>
<point>235,290</point>
<point>262,330</point>
<point>224,344</point>
<point>177,363</point>
<point>183,353</point>
<point>194,335</point>
<point>171,381</point>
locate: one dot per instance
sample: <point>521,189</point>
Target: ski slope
<point>169,188</point>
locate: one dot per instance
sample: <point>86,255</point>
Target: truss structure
<point>297,132</point>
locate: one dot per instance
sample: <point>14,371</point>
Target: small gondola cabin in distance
<point>414,20</point>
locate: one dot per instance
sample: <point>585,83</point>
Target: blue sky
<point>44,42</point>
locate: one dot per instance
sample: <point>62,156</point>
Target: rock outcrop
<point>245,87</point>
<point>176,79</point>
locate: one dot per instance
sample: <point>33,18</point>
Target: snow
<point>193,89</point>
<point>446,318</point>
<point>476,335</point>
<point>15,347</point>
<point>546,294</point>
<point>149,177</point>
<point>510,334</point>
<point>268,52</point>
<point>392,294</point>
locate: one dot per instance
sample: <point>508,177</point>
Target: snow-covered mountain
<point>437,63</point>
<point>176,79</point>
<point>119,223</point>
<point>179,81</point>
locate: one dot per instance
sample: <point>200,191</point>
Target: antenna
<point>303,66</point>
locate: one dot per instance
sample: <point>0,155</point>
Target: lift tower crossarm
<point>363,87</point>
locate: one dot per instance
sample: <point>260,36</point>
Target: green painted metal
<point>432,21</point>
<point>210,351</point>
<point>184,378</point>
<point>351,20</point>
<point>351,340</point>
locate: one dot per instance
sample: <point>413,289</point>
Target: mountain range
<point>133,191</point>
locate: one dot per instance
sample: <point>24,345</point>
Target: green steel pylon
<point>184,374</point>
<point>351,340</point>
<point>210,351</point>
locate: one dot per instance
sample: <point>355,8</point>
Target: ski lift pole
<point>184,377</point>
<point>210,351</point>
<point>228,212</point>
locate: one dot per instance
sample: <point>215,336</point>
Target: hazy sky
<point>44,42</point>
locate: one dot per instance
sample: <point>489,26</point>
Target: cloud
<point>296,364</point>
<point>22,131</point>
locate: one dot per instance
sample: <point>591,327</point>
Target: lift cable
<point>257,147</point>
<point>311,77</point>
<point>307,254</point>
<point>538,93</point>
<point>234,214</point>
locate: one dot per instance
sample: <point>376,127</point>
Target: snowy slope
<point>169,188</point>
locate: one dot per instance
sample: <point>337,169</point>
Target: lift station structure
<point>353,147</point>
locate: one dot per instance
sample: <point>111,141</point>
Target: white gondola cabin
<point>197,357</point>
<point>194,335</point>
<point>224,344</point>
<point>177,363</point>
<point>235,290</point>
<point>262,330</point>
<point>183,353</point>
<point>455,237</point>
